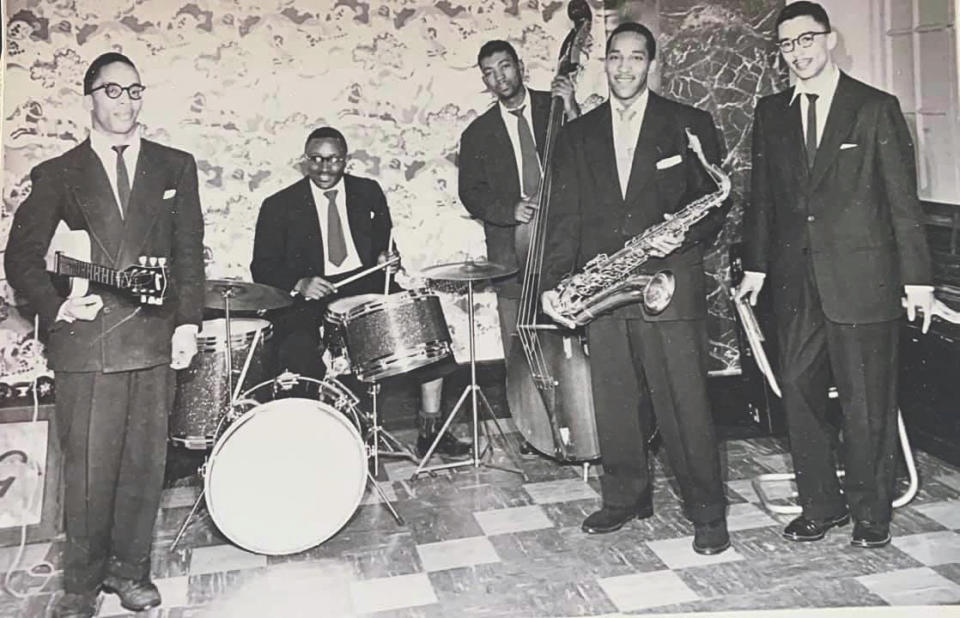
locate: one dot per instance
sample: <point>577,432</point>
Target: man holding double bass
<point>500,164</point>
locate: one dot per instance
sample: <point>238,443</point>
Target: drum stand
<point>475,393</point>
<point>377,437</point>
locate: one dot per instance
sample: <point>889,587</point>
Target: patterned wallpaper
<point>240,83</point>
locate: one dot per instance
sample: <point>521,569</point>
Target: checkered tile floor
<point>483,542</point>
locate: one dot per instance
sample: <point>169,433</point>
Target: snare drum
<point>202,398</point>
<point>289,473</point>
<point>389,335</point>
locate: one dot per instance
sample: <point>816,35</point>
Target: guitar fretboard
<point>94,272</point>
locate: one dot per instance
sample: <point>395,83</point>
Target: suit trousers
<point>861,361</point>
<point>637,365</point>
<point>113,427</point>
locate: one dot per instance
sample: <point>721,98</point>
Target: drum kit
<point>266,442</point>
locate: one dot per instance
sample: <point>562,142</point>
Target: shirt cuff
<point>917,288</point>
<point>192,328</point>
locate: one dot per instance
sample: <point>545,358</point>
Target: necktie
<point>627,143</point>
<point>336,246</point>
<point>123,180</point>
<point>811,129</point>
<point>528,155</point>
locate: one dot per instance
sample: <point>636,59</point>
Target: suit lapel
<point>647,149</point>
<point>501,143</point>
<point>839,120</point>
<point>359,217</point>
<point>96,201</point>
<point>540,113</point>
<point>306,218</point>
<point>599,147</point>
<point>145,196</point>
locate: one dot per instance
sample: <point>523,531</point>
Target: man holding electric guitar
<point>113,349</point>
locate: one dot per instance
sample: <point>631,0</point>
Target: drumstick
<point>359,275</point>
<point>386,280</point>
<point>364,273</point>
<point>246,365</point>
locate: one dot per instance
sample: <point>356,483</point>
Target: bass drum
<point>289,473</point>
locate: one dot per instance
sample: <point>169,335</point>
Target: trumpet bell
<point>659,291</point>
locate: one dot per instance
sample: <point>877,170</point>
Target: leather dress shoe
<point>868,534</point>
<point>711,538</point>
<point>803,529</point>
<point>611,519</point>
<point>448,446</point>
<point>135,595</point>
<point>73,605</point>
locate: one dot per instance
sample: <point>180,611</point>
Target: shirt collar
<point>506,110</point>
<point>101,142</point>
<point>824,85</point>
<point>319,193</point>
<point>640,105</point>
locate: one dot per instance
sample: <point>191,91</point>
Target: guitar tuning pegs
<point>143,260</point>
<point>162,261</point>
<point>153,261</point>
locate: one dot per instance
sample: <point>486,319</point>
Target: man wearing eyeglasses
<point>834,229</point>
<point>113,358</point>
<point>320,230</point>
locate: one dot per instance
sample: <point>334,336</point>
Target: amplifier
<point>30,481</point>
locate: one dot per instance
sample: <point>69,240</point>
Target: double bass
<point>548,375</point>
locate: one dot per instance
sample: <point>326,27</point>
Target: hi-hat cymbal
<point>471,270</point>
<point>244,296</point>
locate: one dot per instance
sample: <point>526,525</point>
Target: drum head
<point>286,476</point>
<point>342,305</point>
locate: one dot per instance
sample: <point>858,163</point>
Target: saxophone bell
<point>658,292</point>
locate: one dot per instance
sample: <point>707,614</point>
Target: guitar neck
<point>94,272</point>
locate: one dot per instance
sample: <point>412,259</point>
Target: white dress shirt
<point>824,86</point>
<point>627,123</point>
<point>510,120</point>
<point>352,261</point>
<point>103,148</point>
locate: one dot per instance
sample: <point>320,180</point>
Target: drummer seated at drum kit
<point>321,230</point>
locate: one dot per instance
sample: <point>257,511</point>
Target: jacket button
<point>107,310</point>
<point>811,218</point>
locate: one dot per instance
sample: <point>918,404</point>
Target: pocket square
<point>663,164</point>
<point>848,146</point>
<point>169,193</point>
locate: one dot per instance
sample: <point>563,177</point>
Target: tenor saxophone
<point>610,281</point>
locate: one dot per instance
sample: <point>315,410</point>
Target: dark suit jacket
<point>855,216</point>
<point>588,214</point>
<point>488,181</point>
<point>74,188</point>
<point>288,244</point>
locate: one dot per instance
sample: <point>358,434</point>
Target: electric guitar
<point>69,255</point>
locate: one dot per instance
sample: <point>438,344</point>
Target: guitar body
<point>74,244</point>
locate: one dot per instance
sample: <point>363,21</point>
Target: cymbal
<point>471,270</point>
<point>244,296</point>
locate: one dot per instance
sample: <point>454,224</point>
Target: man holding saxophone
<point>619,170</point>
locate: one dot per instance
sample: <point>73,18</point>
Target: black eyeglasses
<point>320,159</point>
<point>114,91</point>
<point>805,40</point>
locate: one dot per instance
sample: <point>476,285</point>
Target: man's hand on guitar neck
<point>80,308</point>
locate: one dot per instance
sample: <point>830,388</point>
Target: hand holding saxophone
<point>665,243</point>
<point>550,301</point>
<point>750,287</point>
